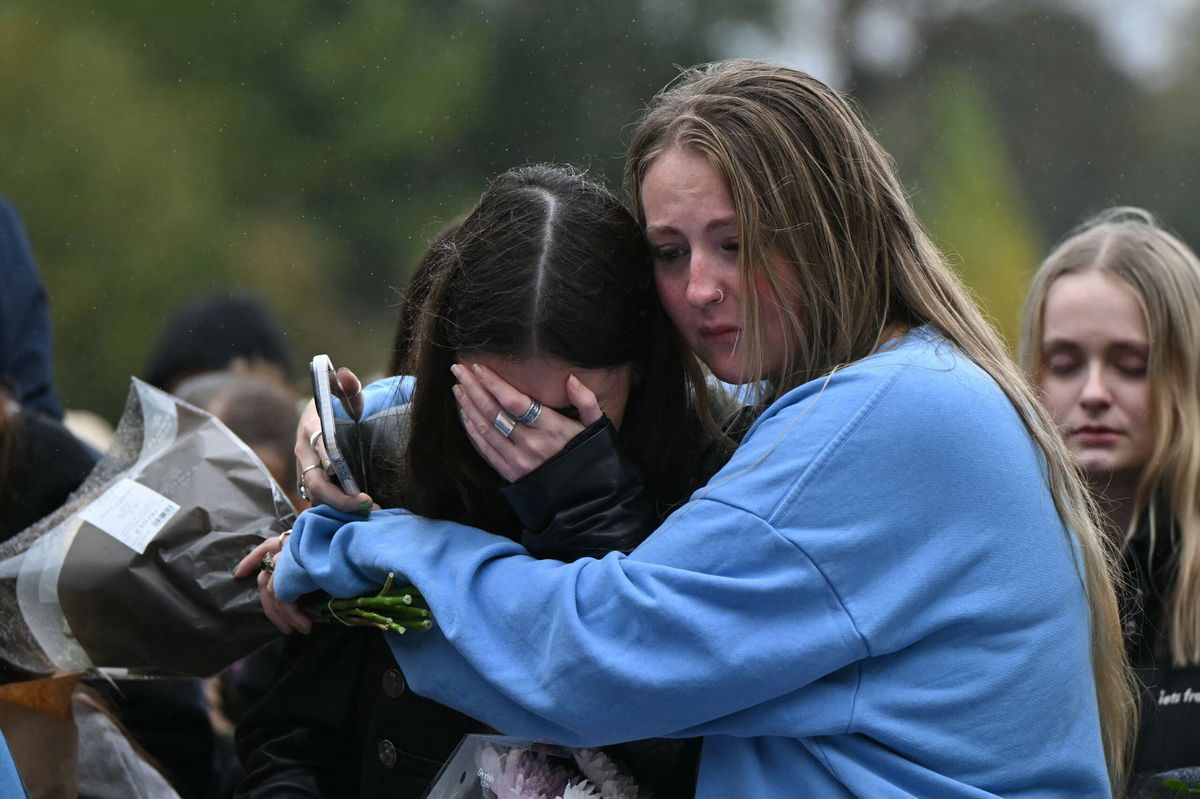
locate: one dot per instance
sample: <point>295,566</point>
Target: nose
<point>1095,394</point>
<point>703,281</point>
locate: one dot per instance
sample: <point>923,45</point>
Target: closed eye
<point>1062,366</point>
<point>664,254</point>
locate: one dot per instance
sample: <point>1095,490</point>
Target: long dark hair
<point>548,264</point>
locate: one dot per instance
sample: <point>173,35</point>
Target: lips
<point>719,333</point>
<point>1096,435</point>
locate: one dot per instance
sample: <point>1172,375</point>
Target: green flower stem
<point>400,603</point>
<point>384,622</point>
<point>396,611</point>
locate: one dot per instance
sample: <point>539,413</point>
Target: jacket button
<point>393,683</point>
<point>387,753</point>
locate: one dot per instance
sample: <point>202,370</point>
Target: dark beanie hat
<point>210,332</point>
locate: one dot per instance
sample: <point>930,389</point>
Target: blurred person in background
<point>41,462</point>
<point>212,331</point>
<point>25,349</point>
<point>1111,335</point>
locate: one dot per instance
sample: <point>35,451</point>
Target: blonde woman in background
<point>1112,337</point>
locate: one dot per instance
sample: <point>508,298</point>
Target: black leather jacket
<point>1169,728</point>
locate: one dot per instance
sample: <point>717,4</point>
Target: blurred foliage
<point>308,149</point>
<point>972,202</point>
<point>1012,125</point>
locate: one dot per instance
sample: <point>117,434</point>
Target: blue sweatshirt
<point>875,597</point>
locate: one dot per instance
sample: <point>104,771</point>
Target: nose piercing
<point>720,297</point>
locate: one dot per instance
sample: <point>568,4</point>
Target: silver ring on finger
<point>312,440</point>
<point>505,423</point>
<point>530,416</point>
<point>267,564</point>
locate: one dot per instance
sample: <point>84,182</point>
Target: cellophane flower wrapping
<point>505,767</point>
<point>135,570</point>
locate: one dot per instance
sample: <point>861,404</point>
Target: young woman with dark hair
<point>546,285</point>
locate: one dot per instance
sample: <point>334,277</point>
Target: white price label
<point>130,513</point>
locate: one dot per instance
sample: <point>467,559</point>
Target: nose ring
<point>720,297</point>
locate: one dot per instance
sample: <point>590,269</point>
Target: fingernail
<point>457,389</point>
<point>364,508</point>
<point>325,464</point>
<point>455,369</point>
<point>476,368</point>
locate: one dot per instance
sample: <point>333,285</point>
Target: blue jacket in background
<point>26,364</point>
<point>875,597</point>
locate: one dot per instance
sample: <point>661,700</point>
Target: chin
<point>725,369</point>
<point>1099,467</point>
<point>1103,473</point>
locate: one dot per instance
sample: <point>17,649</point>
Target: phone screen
<point>325,389</point>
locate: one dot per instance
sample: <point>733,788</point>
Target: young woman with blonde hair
<point>894,588</point>
<point>1111,335</point>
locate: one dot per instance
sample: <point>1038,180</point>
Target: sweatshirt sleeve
<point>380,396</point>
<point>696,625</point>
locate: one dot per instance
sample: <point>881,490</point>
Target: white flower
<point>601,771</point>
<point>581,789</point>
<point>521,774</point>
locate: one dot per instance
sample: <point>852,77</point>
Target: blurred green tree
<point>971,200</point>
<point>304,148</point>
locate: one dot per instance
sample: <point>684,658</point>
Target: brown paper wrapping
<point>39,726</point>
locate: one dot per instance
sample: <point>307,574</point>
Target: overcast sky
<point>1143,36</point>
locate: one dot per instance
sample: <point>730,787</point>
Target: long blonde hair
<point>824,222</point>
<point>1164,274</point>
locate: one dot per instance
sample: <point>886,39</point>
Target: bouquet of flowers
<point>502,767</point>
<point>134,570</point>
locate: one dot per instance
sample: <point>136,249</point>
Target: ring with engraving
<point>530,416</point>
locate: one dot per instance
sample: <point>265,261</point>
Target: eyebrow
<point>1123,344</point>
<point>714,224</point>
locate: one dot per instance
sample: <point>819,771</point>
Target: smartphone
<point>325,388</point>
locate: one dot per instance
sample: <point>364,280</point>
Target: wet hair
<point>549,264</point>
<point>826,226</point>
<point>1130,246</point>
